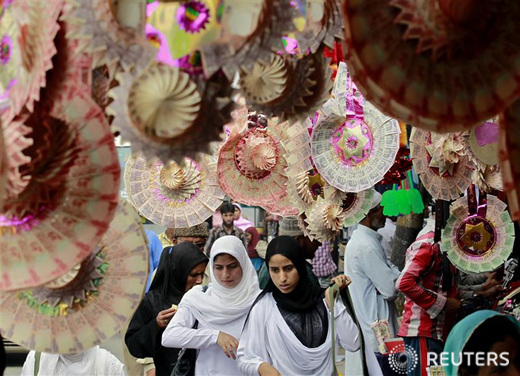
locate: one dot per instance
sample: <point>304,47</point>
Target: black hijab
<point>307,295</point>
<point>174,268</point>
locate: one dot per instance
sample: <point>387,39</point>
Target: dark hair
<point>227,207</point>
<point>494,329</point>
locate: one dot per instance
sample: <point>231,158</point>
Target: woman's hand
<point>228,344</point>
<point>266,369</point>
<point>164,317</point>
<point>342,281</point>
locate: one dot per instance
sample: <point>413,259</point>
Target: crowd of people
<point>223,303</point>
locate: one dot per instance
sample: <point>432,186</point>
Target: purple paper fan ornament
<point>192,16</point>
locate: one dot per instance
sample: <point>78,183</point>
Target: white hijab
<point>221,307</point>
<point>80,364</point>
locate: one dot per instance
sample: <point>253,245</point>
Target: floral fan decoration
<point>166,113</point>
<point>93,24</point>
<point>481,145</point>
<point>173,195</point>
<point>509,157</point>
<point>324,25</point>
<point>328,217</point>
<point>353,144</point>
<point>478,236</point>
<point>287,87</point>
<point>441,65</point>
<point>70,200</point>
<point>27,30</point>
<point>441,162</point>
<point>251,163</point>
<point>251,32</point>
<point>90,303</point>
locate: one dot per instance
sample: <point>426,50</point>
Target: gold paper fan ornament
<point>173,195</point>
<point>163,101</point>
<point>265,82</point>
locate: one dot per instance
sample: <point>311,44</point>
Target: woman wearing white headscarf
<point>94,361</point>
<point>220,311</point>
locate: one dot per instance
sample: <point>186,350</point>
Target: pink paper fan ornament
<point>88,304</point>
<point>353,144</point>
<point>251,166</point>
<point>441,65</point>
<point>70,200</point>
<point>27,30</point>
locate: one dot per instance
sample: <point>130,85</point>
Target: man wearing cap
<point>373,276</point>
<point>228,227</point>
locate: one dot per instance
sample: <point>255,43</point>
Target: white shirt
<point>92,362</point>
<point>388,233</point>
<point>373,282</point>
<point>211,359</point>
<point>268,338</point>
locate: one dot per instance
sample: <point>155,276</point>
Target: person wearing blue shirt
<point>155,248</point>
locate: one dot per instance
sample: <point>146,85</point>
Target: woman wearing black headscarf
<point>180,268</point>
<point>288,327</point>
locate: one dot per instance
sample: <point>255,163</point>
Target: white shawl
<point>220,307</point>
<point>268,338</point>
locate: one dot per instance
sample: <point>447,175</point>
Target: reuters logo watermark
<point>403,358</point>
<point>479,359</point>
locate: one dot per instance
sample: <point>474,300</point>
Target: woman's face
<point>283,273</point>
<point>227,270</point>
<point>509,349</point>
<point>236,213</point>
<point>248,237</point>
<point>196,276</point>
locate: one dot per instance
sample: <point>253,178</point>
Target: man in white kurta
<point>373,277</point>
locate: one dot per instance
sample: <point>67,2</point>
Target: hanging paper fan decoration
<point>483,143</point>
<point>478,240</point>
<point>324,24</point>
<point>251,166</point>
<point>166,113</point>
<point>93,24</point>
<point>70,199</point>
<point>27,30</point>
<point>89,304</point>
<point>173,195</point>
<point>441,162</point>
<point>457,62</point>
<point>287,87</point>
<point>510,158</point>
<point>328,217</point>
<point>353,146</point>
<point>251,32</point>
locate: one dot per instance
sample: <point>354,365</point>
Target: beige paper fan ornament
<point>181,122</point>
<point>324,25</point>
<point>233,52</point>
<point>441,162</point>
<point>91,302</point>
<point>93,24</point>
<point>265,82</point>
<point>173,195</point>
<point>163,101</point>
<point>307,87</point>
